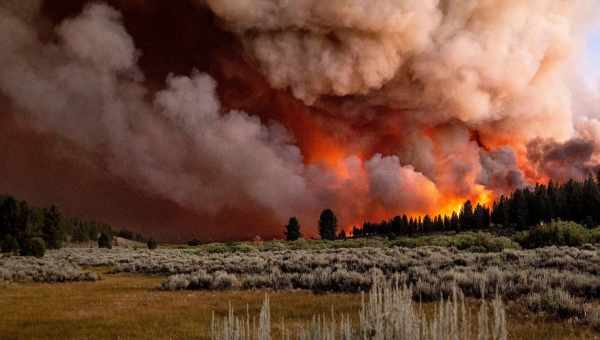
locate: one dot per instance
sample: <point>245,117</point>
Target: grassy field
<point>126,306</point>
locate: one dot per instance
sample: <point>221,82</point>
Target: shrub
<point>594,235</point>
<point>230,247</point>
<point>593,318</point>
<point>474,242</point>
<point>9,244</point>
<point>222,280</point>
<point>105,241</point>
<point>556,233</point>
<point>555,302</point>
<point>194,243</point>
<point>152,244</point>
<point>33,247</point>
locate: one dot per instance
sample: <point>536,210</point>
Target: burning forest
<point>222,118</point>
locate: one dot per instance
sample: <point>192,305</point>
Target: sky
<point>592,58</point>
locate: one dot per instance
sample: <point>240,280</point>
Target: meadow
<point>302,288</point>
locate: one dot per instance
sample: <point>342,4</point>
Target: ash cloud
<point>88,89</point>
<point>572,159</point>
<point>500,171</point>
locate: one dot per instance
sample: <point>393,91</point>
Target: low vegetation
<point>48,269</point>
<point>389,312</point>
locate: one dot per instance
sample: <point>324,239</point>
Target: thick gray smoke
<point>477,61</point>
<point>563,161</point>
<point>500,171</point>
<point>87,88</point>
<point>495,67</point>
<point>465,91</point>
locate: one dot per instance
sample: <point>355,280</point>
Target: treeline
<point>571,201</point>
<point>29,230</point>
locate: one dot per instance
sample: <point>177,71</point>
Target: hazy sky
<point>592,58</point>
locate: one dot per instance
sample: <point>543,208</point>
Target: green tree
<point>8,216</point>
<point>327,225</point>
<point>33,247</point>
<point>292,230</point>
<point>105,241</point>
<point>152,244</point>
<point>52,231</point>
<point>9,244</point>
<point>481,216</point>
<point>466,217</point>
<point>427,224</point>
<point>454,221</point>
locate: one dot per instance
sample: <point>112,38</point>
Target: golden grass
<point>130,307</point>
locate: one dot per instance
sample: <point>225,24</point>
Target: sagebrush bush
<point>475,242</point>
<point>47,269</point>
<point>555,302</point>
<point>557,233</point>
<point>430,270</point>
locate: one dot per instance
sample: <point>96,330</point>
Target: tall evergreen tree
<point>396,225</point>
<point>466,218</point>
<point>8,216</point>
<point>454,221</point>
<point>51,229</point>
<point>292,230</point>
<point>327,225</point>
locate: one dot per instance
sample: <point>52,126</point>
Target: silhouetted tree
<point>51,229</point>
<point>292,230</point>
<point>327,225</point>
<point>33,247</point>
<point>9,244</point>
<point>152,244</point>
<point>466,217</point>
<point>105,241</point>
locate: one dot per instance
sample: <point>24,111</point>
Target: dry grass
<point>130,307</point>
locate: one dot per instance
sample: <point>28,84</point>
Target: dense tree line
<point>30,230</point>
<point>571,201</point>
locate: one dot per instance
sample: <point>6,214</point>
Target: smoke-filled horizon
<point>220,119</point>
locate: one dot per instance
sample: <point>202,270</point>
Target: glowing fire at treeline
<point>221,118</point>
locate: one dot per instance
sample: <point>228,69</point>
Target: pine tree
<point>105,241</point>
<point>8,217</point>
<point>292,230</point>
<point>51,229</point>
<point>396,225</point>
<point>427,224</point>
<point>152,244</point>
<point>466,217</point>
<point>327,225</point>
<point>454,221</point>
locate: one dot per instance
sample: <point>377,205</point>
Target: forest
<point>30,230</point>
<point>576,201</point>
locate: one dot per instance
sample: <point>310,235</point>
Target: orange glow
<point>332,156</point>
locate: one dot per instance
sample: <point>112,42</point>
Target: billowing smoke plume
<point>493,69</point>
<point>401,106</point>
<point>87,88</point>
